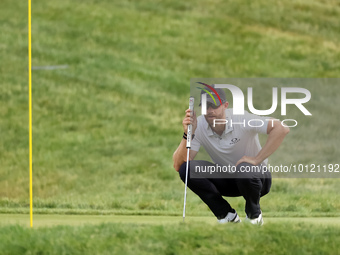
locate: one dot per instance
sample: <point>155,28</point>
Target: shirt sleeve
<point>256,123</point>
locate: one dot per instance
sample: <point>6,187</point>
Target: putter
<point>189,135</point>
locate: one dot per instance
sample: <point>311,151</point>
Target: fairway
<point>41,220</point>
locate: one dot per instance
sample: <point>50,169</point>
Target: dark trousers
<point>251,186</point>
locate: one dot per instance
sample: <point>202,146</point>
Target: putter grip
<point>189,135</point>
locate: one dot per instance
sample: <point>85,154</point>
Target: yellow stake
<point>30,109</point>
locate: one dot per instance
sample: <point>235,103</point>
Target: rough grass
<point>194,238</point>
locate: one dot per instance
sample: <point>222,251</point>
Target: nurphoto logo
<point>238,102</point>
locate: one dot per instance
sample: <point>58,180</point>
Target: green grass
<point>104,129</point>
<point>193,238</point>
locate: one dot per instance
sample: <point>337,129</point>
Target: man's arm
<point>180,155</point>
<point>276,133</point>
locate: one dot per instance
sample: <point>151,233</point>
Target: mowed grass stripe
<point>49,220</point>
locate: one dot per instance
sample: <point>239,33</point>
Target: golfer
<point>231,141</point>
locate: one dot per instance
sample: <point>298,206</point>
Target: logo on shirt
<point>234,140</point>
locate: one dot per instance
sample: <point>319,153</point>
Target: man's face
<point>215,112</point>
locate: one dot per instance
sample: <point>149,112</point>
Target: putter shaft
<point>189,136</point>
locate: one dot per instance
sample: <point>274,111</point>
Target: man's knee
<point>243,181</point>
<point>253,183</point>
<point>248,180</point>
<point>182,171</point>
<point>266,186</point>
<point>245,168</point>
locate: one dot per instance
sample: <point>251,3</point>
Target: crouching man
<point>229,143</point>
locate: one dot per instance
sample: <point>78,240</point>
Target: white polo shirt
<point>240,138</point>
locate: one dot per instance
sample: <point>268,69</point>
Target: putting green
<point>45,220</point>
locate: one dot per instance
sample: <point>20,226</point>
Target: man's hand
<point>189,120</point>
<point>250,160</point>
<point>179,156</point>
<point>276,132</point>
